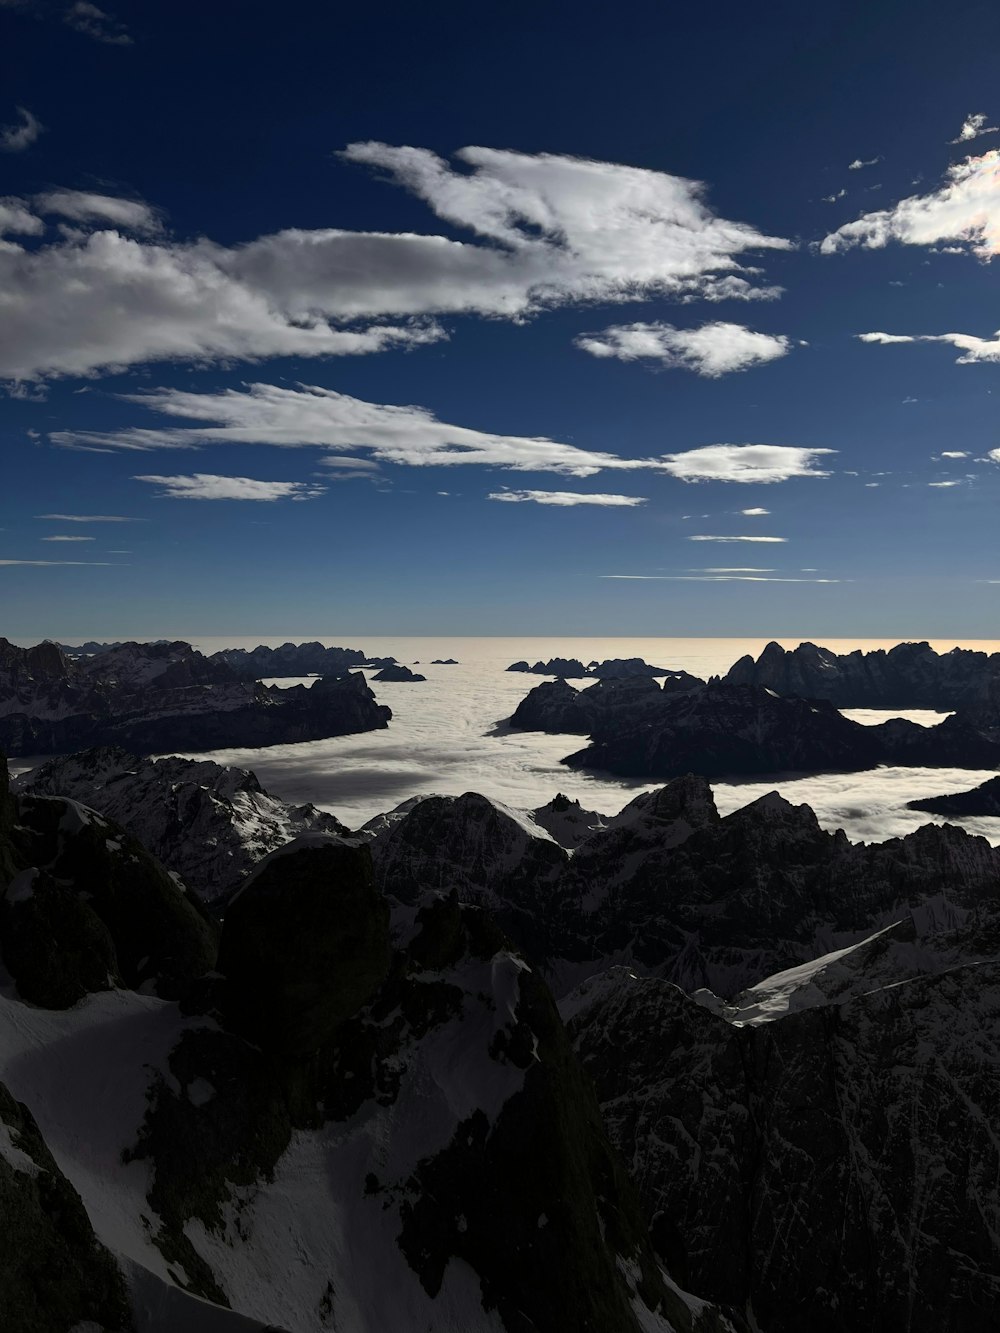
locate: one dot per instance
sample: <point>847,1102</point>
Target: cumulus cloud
<point>545,231</point>
<point>21,135</point>
<point>566,499</point>
<point>97,23</point>
<point>965,210</point>
<point>703,538</point>
<point>205,486</point>
<point>754,513</point>
<point>309,415</point>
<point>85,206</point>
<point>90,518</point>
<point>953,453</point>
<point>858,163</point>
<point>713,350</point>
<point>17,219</point>
<point>973,349</point>
<point>972,127</point>
<point>69,539</point>
<point>745,463</point>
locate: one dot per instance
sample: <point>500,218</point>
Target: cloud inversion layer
<point>713,350</point>
<point>547,231</point>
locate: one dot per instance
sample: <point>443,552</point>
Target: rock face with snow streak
<point>211,824</point>
<point>352,1123</point>
<point>910,675</point>
<point>841,1157</point>
<point>164,696</point>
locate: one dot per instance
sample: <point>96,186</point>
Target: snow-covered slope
<point>211,824</point>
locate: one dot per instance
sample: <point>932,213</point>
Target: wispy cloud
<point>832,198</point>
<point>97,23</point>
<point>762,463</point>
<point>973,348</point>
<point>702,538</point>
<point>68,539</point>
<point>966,210</point>
<point>953,453</point>
<point>712,350</point>
<point>943,484</point>
<point>16,138</point>
<point>713,578</point>
<point>85,206</point>
<point>754,513</point>
<point>91,518</point>
<point>206,486</point>
<point>972,127</point>
<point>858,163</point>
<point>47,563</point>
<point>544,231</point>
<point>17,219</point>
<point>566,499</point>
<point>312,416</point>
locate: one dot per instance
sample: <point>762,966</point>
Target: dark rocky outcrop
<point>608,705</point>
<point>211,824</point>
<point>982,800</point>
<point>820,1153</point>
<point>910,675</point>
<point>567,821</point>
<point>397,672</point>
<point>727,730</point>
<point>443,661</point>
<point>164,696</point>
<point>290,659</point>
<point>54,1274</point>
<point>615,668</point>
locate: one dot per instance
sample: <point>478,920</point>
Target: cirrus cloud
<point>567,499</point>
<point>703,538</point>
<point>207,486</point>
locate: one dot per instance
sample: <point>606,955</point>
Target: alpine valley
<point>470,1067</point>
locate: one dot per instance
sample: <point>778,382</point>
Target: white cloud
<point>944,483</point>
<point>547,231</point>
<point>16,138</point>
<point>344,463</point>
<point>973,348</point>
<point>972,127</point>
<point>205,486</point>
<point>736,569</point>
<point>965,209</point>
<point>713,350</point>
<point>754,513</point>
<point>713,578</point>
<point>84,206</point>
<point>91,518</point>
<point>745,463</point>
<point>832,198</point>
<point>857,164</point>
<point>701,538</point>
<point>566,499</point>
<point>309,415</point>
<point>97,23</point>
<point>953,453</point>
<point>17,219</point>
<point>94,563</point>
<point>69,539</point>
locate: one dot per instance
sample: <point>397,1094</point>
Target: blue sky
<point>499,320</point>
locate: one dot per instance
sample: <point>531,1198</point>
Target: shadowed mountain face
<point>910,675</point>
<point>640,730</point>
<point>163,696</point>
